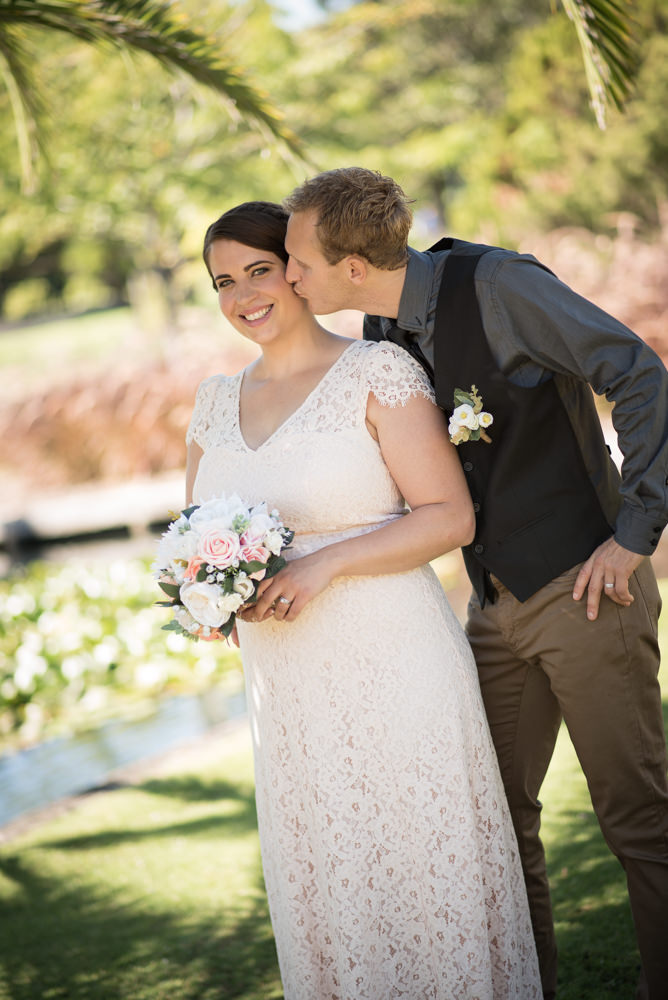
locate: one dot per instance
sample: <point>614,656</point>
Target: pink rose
<point>219,547</point>
<point>258,526</point>
<point>193,568</point>
<point>255,553</point>
<point>250,537</point>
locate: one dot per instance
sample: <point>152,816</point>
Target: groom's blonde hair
<point>359,212</point>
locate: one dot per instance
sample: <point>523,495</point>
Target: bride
<point>389,858</point>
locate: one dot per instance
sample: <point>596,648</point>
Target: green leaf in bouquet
<point>172,626</point>
<point>201,574</point>
<point>462,397</point>
<point>171,589</point>
<point>228,626</point>
<point>166,604</point>
<point>190,510</point>
<point>274,565</point>
<point>252,567</point>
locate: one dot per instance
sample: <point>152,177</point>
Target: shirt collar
<point>416,293</point>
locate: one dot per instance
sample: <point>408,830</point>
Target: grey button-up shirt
<point>539,328</point>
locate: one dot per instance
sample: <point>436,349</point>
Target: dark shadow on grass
<point>230,823</point>
<point>598,957</point>
<point>193,789</point>
<point>66,942</point>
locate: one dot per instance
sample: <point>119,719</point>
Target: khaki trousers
<point>542,661</point>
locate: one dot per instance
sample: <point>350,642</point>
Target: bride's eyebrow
<point>248,267</point>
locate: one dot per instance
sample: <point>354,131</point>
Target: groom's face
<point>322,284</point>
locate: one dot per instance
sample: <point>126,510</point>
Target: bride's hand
<point>290,590</point>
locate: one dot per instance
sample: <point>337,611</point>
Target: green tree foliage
<point>544,162</point>
<point>147,26</point>
<point>136,166</point>
<point>483,113</point>
<point>480,110</point>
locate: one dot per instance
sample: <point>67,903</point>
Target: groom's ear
<point>356,269</point>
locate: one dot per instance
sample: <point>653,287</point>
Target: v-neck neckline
<point>297,409</point>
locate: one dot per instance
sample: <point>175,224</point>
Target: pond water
<point>40,775</point>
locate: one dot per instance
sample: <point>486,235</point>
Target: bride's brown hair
<point>257,224</point>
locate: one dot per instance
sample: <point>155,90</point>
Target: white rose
<point>243,585</point>
<point>274,542</point>
<point>465,417</point>
<point>204,601</point>
<point>485,419</point>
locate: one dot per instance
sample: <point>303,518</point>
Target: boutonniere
<point>469,422</point>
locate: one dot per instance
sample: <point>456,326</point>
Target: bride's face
<point>252,291</point>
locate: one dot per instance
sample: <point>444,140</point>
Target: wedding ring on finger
<point>284,600</point>
<point>609,586</point>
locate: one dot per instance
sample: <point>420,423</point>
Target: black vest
<point>537,512</point>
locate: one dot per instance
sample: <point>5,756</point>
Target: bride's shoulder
<point>391,373</point>
<point>386,356</point>
<point>217,385</point>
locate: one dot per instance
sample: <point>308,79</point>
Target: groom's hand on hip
<point>607,571</point>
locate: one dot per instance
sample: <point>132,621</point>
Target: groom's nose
<point>291,271</point>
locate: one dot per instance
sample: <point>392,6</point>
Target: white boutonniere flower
<point>469,422</point>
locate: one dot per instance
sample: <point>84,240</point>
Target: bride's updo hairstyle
<point>258,224</point>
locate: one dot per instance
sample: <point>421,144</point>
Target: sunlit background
<point>112,164</point>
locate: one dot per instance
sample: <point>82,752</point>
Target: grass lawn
<point>153,890</point>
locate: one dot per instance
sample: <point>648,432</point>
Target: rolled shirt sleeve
<point>536,326</point>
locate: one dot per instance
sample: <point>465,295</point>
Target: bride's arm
<point>193,455</point>
<point>415,446</point>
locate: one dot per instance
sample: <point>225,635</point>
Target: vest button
<point>478,549</point>
<point>468,466</point>
<point>476,508</point>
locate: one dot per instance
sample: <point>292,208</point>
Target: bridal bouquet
<point>211,559</point>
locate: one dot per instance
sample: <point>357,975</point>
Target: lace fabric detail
<point>214,410</point>
<point>390,862</point>
<point>394,377</point>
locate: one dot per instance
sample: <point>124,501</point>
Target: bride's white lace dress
<point>389,859</point>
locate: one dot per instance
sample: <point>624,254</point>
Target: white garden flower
<point>244,586</point>
<point>174,551</point>
<point>485,419</point>
<point>465,416</point>
<point>274,542</point>
<point>221,509</point>
<point>231,602</point>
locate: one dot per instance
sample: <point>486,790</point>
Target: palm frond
<point>153,27</point>
<point>604,29</point>
<point>26,99</point>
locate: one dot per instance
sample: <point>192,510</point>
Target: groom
<point>554,520</point>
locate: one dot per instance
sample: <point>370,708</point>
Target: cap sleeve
<point>201,422</point>
<point>394,377</point>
